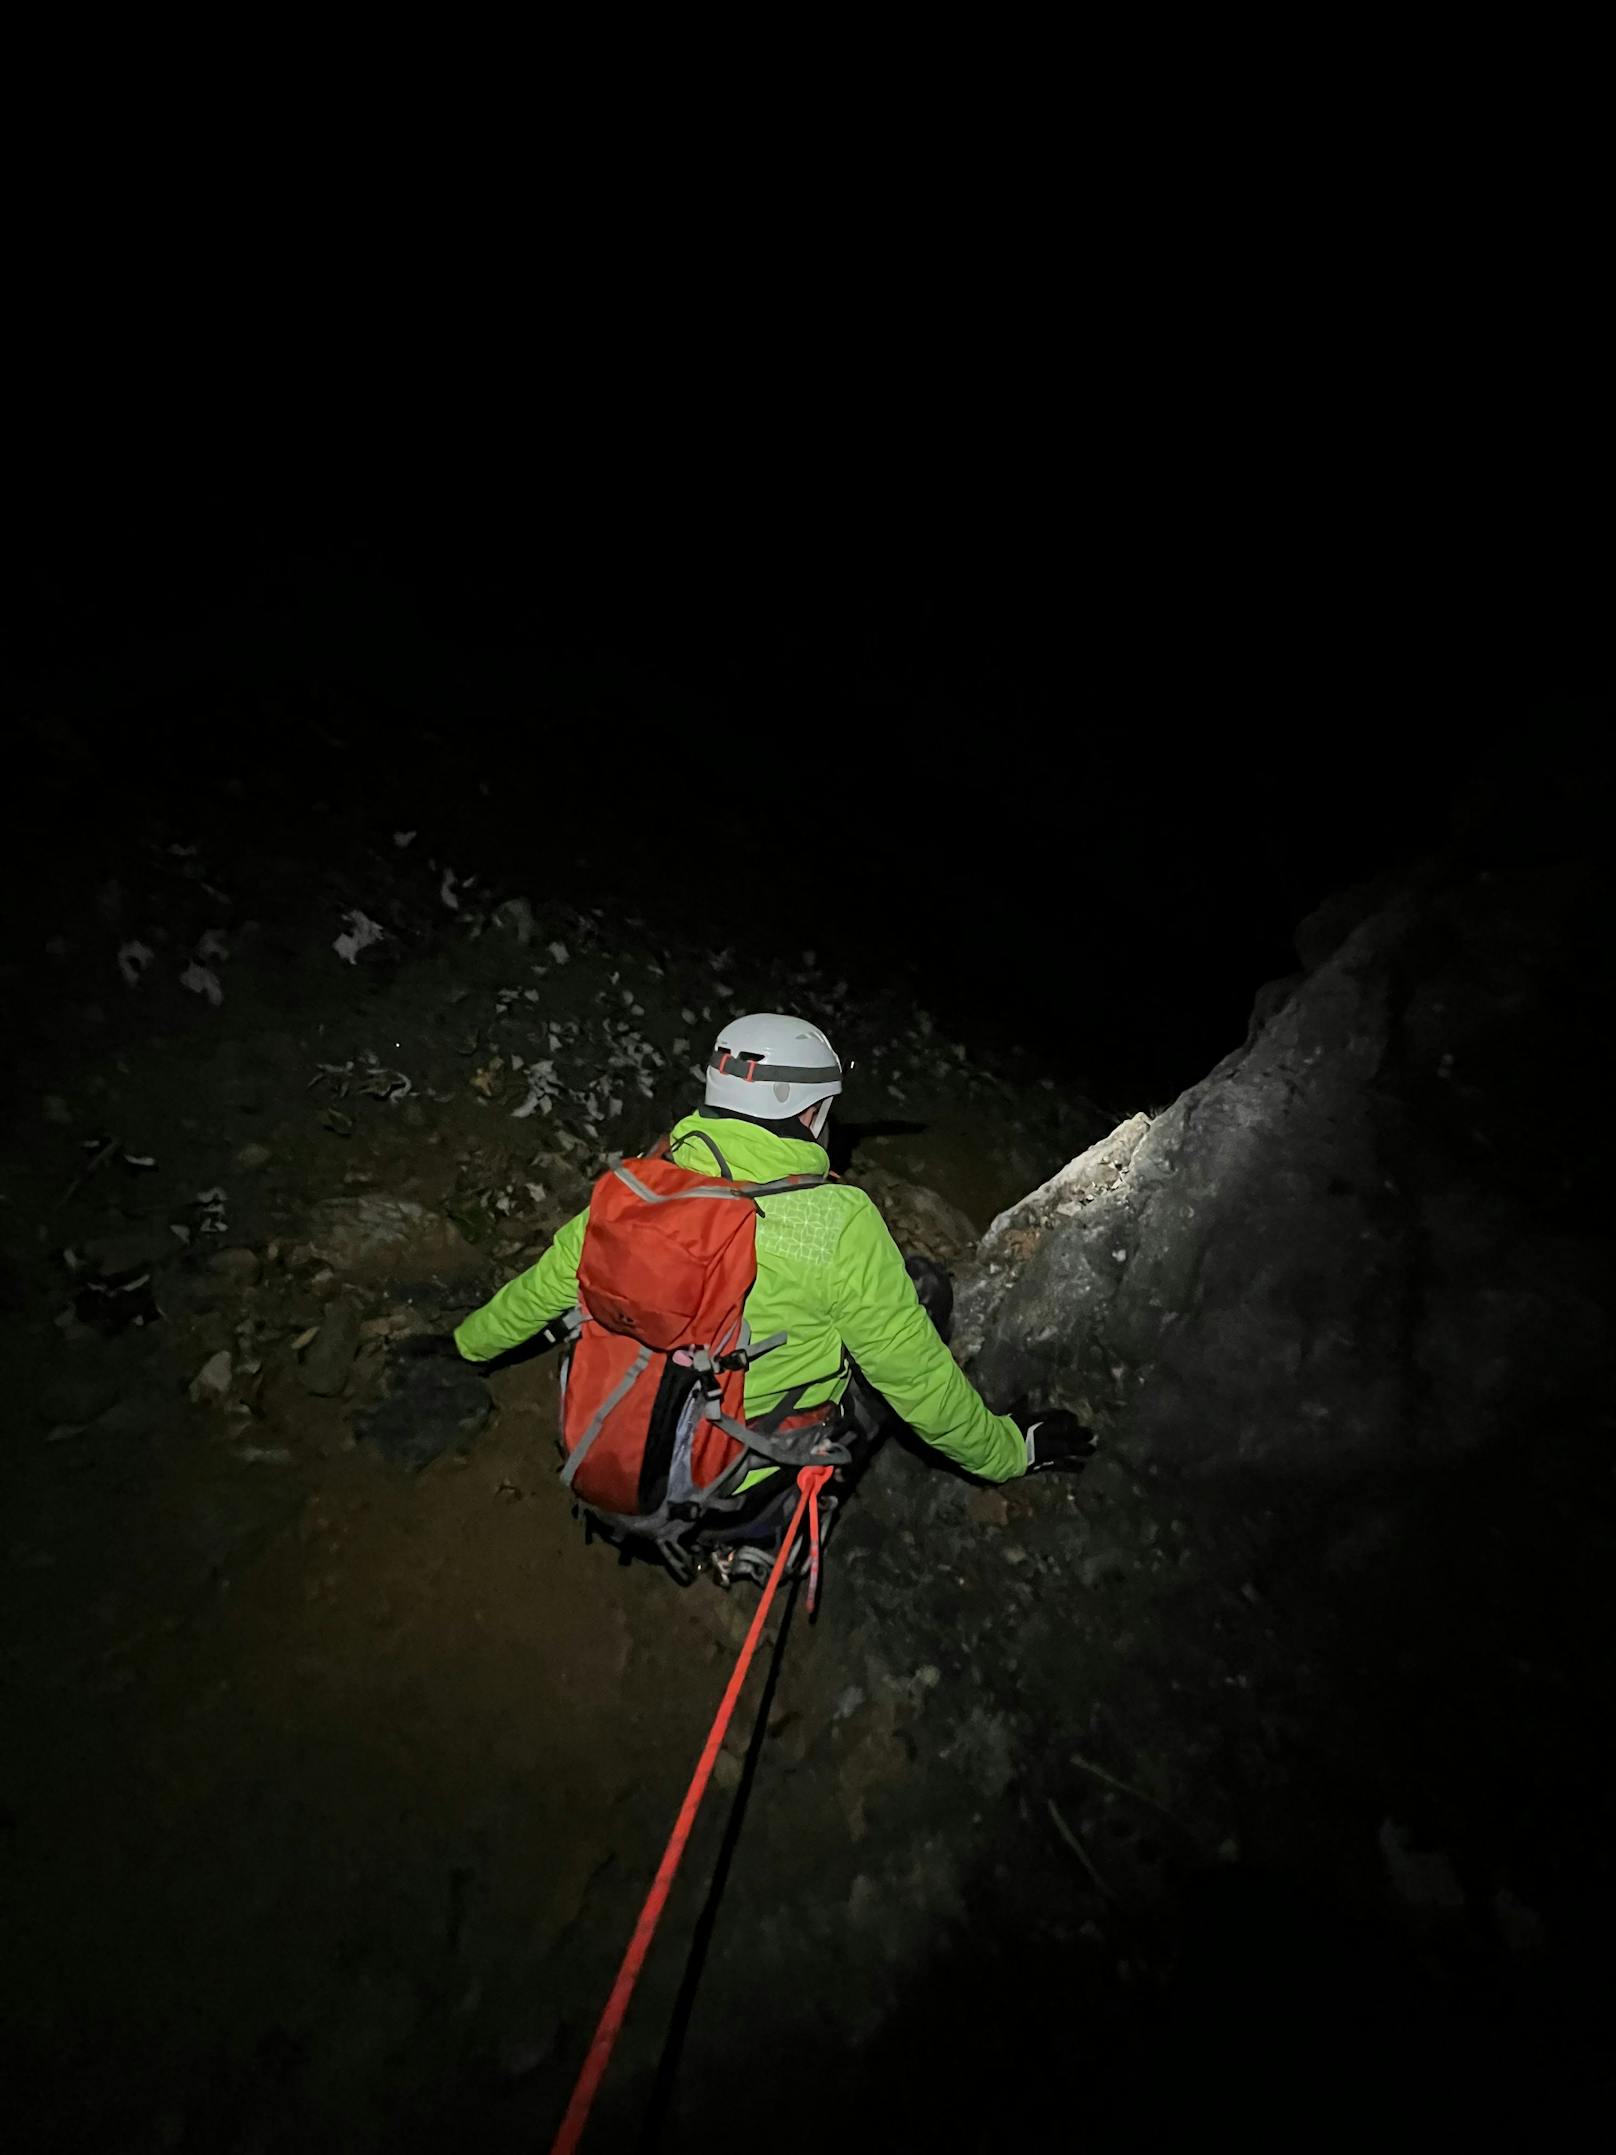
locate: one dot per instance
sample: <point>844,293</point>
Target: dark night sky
<point>1092,820</point>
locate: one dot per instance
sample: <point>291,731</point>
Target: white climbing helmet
<point>772,1067</point>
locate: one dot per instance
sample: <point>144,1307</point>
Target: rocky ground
<point>340,1761</point>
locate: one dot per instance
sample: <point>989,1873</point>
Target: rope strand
<point>811,1480</point>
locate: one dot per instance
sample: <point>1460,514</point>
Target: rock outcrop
<point>1376,1233</point>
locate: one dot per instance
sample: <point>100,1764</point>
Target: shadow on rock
<point>431,1406</point>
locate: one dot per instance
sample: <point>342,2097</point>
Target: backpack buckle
<point>706,1386</point>
<point>678,1560</point>
<point>750,1351</point>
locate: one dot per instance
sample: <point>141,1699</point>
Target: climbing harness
<point>811,1480</point>
<point>753,1561</point>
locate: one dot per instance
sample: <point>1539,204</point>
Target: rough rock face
<point>377,1237</point>
<point>330,1357</point>
<point>1370,1234</point>
<point>133,1249</point>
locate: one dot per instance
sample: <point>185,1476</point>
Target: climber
<point>831,1304</point>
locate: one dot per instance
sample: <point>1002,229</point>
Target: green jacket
<point>829,1276</point>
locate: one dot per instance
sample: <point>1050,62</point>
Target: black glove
<point>426,1346</point>
<point>1057,1442</point>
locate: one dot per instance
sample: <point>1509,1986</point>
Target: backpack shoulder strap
<point>625,1174</point>
<point>723,1164</point>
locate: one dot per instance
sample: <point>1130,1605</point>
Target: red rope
<point>811,1480</point>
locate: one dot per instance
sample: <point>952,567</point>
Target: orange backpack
<point>652,1387</point>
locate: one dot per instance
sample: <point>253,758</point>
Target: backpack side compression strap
<point>597,1421</point>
